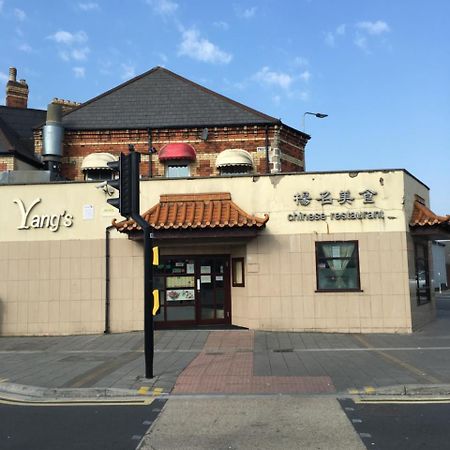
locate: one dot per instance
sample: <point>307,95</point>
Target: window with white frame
<point>337,266</point>
<point>177,169</point>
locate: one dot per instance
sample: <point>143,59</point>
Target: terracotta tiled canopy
<point>195,211</point>
<point>425,222</point>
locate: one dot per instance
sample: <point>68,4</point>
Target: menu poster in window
<point>190,268</point>
<point>179,295</point>
<point>205,269</point>
<point>178,282</point>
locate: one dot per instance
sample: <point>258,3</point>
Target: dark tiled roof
<point>422,216</point>
<point>158,99</point>
<point>16,129</point>
<point>190,211</point>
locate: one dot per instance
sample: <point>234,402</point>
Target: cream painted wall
<point>53,282</point>
<point>273,195</point>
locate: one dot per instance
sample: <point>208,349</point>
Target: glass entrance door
<point>422,273</point>
<point>193,290</point>
<point>213,290</point>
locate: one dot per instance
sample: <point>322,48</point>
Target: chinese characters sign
<point>343,198</point>
<point>326,198</point>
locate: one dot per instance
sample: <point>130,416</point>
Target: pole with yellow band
<point>155,262</point>
<point>155,302</point>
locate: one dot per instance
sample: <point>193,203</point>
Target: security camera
<point>107,189</point>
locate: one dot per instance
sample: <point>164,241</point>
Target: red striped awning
<point>177,150</point>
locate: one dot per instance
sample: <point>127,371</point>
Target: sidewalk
<point>229,362</point>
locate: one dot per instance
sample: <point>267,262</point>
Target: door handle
<point>198,284</point>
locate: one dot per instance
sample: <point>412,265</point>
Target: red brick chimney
<point>16,91</point>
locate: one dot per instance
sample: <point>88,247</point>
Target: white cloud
<point>299,61</point>
<point>222,25</point>
<point>196,47</point>
<point>68,38</point>
<point>3,76</point>
<point>330,36</point>
<point>269,77</point>
<point>361,42</point>
<point>305,76</point>
<point>80,54</point>
<point>329,39</point>
<point>163,57</point>
<point>276,99</point>
<point>25,48</point>
<point>68,42</point>
<point>128,71</point>
<point>79,72</point>
<point>341,29</point>
<point>64,55</point>
<point>1,5</point>
<point>76,54</point>
<point>105,67</point>
<point>247,13</point>
<point>91,6</point>
<point>374,28</point>
<point>20,14</point>
<point>163,7</point>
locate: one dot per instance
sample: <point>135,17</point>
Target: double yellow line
<point>79,402</point>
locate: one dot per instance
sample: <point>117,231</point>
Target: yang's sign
<point>28,219</point>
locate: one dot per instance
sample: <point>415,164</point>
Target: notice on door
<point>205,269</point>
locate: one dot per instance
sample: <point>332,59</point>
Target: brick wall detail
<point>7,163</point>
<point>79,144</point>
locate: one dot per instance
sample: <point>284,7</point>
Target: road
<point>400,426</point>
<point>119,427</point>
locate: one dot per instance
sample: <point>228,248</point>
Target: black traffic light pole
<point>128,205</point>
<point>148,295</point>
<point>135,159</point>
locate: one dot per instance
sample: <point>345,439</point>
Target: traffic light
<point>122,184</point>
<point>127,183</point>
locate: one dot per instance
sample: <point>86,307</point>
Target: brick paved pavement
<point>234,361</point>
<point>226,366</point>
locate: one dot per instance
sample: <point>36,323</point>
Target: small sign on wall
<point>88,212</point>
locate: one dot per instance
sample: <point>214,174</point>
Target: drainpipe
<point>107,280</point>
<point>267,150</point>
<point>151,151</point>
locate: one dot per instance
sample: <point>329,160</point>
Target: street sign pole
<point>148,263</point>
<point>129,206</point>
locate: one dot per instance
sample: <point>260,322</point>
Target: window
<point>177,169</point>
<point>422,273</point>
<point>235,170</point>
<point>234,161</point>
<point>97,174</point>
<point>237,272</point>
<point>337,266</point>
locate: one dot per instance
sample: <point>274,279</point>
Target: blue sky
<point>379,68</point>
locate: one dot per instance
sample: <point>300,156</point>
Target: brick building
<point>16,127</point>
<point>246,236</point>
<point>157,112</point>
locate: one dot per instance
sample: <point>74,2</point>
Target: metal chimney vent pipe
<point>53,133</point>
